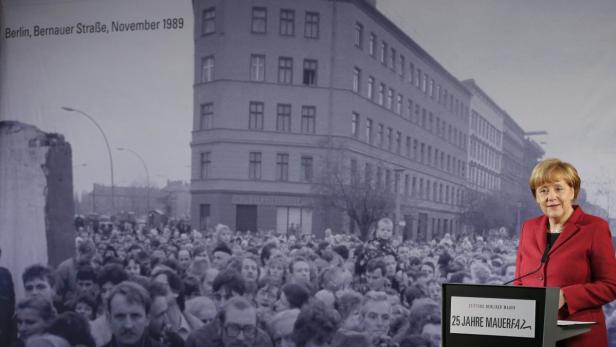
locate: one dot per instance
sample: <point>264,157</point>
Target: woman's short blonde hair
<point>552,170</point>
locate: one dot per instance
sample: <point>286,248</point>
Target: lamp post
<point>398,172</point>
<point>147,176</point>
<point>70,109</point>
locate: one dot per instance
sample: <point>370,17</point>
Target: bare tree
<point>485,211</point>
<point>339,185</point>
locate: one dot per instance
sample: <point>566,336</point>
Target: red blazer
<point>581,262</point>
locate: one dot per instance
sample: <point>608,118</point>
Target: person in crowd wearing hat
<point>67,270</point>
<point>220,256</point>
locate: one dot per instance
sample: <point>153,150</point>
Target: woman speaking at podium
<point>568,249</point>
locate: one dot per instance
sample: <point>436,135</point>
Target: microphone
<point>544,258</point>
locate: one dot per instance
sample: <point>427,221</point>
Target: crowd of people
<point>178,287</point>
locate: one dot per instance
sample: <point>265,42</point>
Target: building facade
<point>173,200</point>
<point>485,152</point>
<point>280,85</point>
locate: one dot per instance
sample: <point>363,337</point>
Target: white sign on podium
<point>490,316</point>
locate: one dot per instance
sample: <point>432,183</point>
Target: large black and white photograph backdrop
<point>303,173</point>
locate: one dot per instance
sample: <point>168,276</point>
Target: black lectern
<point>503,316</point>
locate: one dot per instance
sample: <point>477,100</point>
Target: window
<point>408,147</point>
<point>207,69</point>
<point>392,57</point>
<point>207,110</point>
<point>388,179</point>
<point>310,72</point>
<point>287,22</point>
<point>431,121</point>
<point>355,124</point>
<point>379,135</point>
<point>421,188</point>
<point>311,25</point>
<point>356,79</point>
<point>208,24</point>
<point>381,94</point>
<point>369,123</point>
<point>372,45</point>
<point>282,166</point>
<point>255,115</point>
<point>431,88</point>
<point>354,172</point>
<point>399,104</point>
<point>306,169</point>
<point>390,140</point>
<point>308,119</point>
<point>254,166</point>
<point>390,99</point>
<point>429,155</point>
<point>359,35</point>
<point>402,66</point>
<point>205,165</point>
<point>384,53</point>
<point>368,173</point>
<point>418,78</point>
<point>257,67</point>
<point>285,70</point>
<point>283,117</point>
<point>370,90</point>
<point>398,142</point>
<point>293,220</point>
<point>411,73</point>
<point>259,20</point>
<point>204,216</point>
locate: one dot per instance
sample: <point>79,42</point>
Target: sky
<point>550,64</point>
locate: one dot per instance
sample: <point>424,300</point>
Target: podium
<point>503,316</point>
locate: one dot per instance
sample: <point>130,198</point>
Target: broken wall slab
<point>36,198</point>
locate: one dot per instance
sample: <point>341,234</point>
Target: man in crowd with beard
<point>128,308</point>
<point>236,326</point>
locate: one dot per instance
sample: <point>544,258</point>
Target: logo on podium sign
<point>491,316</point>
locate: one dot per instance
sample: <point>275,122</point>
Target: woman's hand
<point>561,299</point>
